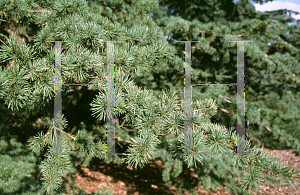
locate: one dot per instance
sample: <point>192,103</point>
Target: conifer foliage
<point>149,119</point>
<point>272,66</point>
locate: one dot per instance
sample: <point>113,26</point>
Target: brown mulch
<point>125,180</point>
<point>289,158</point>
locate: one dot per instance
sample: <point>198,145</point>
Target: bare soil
<point>125,181</point>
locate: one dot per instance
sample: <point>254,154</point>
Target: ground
<point>126,181</point>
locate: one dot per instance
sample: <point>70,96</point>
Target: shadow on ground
<point>125,180</point>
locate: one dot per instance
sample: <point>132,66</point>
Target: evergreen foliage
<point>271,64</point>
<point>149,89</point>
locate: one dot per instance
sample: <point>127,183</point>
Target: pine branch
<point>74,138</point>
<point>40,9</point>
<point>47,133</point>
<point>278,24</point>
<point>202,32</point>
<point>122,140</point>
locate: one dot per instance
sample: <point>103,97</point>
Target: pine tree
<point>271,64</point>
<point>149,123</point>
